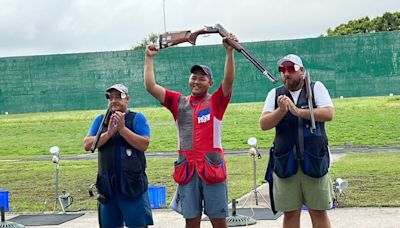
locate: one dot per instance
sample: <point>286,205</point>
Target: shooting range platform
<point>44,219</point>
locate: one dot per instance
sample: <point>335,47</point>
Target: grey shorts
<point>190,199</point>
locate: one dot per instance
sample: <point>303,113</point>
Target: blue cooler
<point>4,200</point>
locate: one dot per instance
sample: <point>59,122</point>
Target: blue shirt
<point>140,125</point>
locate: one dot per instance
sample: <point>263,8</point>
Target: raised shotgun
<point>169,39</point>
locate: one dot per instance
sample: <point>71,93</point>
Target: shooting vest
<point>121,167</point>
<point>294,142</point>
<point>199,142</point>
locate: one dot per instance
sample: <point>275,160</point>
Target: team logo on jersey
<point>129,152</point>
<point>203,116</point>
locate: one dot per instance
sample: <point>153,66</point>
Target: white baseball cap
<point>119,87</point>
<point>291,58</point>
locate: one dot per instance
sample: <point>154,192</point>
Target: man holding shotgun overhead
<point>200,169</point>
<point>298,167</point>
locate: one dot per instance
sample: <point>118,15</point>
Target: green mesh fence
<point>350,66</point>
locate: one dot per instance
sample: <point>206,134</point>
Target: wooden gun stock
<point>169,39</point>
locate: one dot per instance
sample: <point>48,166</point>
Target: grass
<point>32,184</point>
<point>369,121</point>
<point>366,122</point>
<point>374,179</point>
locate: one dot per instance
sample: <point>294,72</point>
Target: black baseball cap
<point>206,70</point>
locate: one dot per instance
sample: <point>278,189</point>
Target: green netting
<point>350,66</point>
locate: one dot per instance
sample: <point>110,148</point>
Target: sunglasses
<point>290,69</point>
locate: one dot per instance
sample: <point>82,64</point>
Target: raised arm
<point>229,75</point>
<point>154,89</point>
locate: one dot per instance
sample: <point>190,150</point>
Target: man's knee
<point>193,222</point>
<point>320,218</point>
<point>219,223</point>
<point>292,214</point>
<point>318,213</point>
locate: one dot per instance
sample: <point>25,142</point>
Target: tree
<point>388,22</point>
<point>152,38</point>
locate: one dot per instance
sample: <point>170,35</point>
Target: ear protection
<point>296,67</point>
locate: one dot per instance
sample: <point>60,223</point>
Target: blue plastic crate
<point>158,196</point>
<point>4,200</point>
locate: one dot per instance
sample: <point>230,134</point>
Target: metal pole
<point>56,195</point>
<point>254,178</point>
<point>3,217</point>
<point>165,23</point>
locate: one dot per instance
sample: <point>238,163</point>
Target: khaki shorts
<point>291,193</point>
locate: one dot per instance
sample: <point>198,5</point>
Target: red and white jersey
<point>199,124</point>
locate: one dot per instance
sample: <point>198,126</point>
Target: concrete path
<point>340,217</point>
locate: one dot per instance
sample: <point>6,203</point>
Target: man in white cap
<point>298,169</point>
<point>122,180</point>
<point>200,169</point>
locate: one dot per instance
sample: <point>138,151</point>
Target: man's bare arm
<point>139,142</point>
<point>269,120</point>
<point>229,72</point>
<point>321,114</point>
<point>88,141</point>
<point>154,89</point>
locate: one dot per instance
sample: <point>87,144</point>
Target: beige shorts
<point>291,193</point>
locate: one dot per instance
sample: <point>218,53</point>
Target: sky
<point>42,27</point>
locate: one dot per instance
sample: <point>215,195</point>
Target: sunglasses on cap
<point>118,96</point>
<point>290,68</point>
